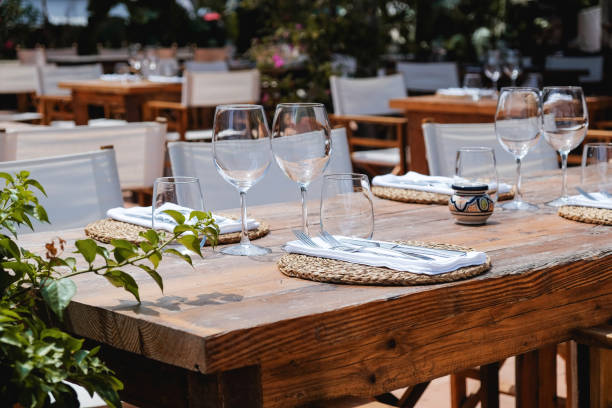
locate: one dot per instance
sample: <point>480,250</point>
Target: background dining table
<point>235,332</point>
<point>451,109</point>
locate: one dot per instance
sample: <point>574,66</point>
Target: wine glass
<point>241,151</point>
<point>596,173</point>
<point>472,83</point>
<point>492,67</point>
<point>346,205</point>
<point>512,65</point>
<point>517,126</point>
<point>478,165</point>
<point>564,123</point>
<point>301,142</point>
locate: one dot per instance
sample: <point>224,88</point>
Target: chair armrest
<point>164,105</point>
<point>55,98</point>
<point>375,120</point>
<point>598,336</point>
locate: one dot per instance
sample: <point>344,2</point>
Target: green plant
<point>36,356</point>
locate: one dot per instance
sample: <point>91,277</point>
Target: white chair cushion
<point>382,157</point>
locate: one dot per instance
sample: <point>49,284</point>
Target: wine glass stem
<point>495,85</point>
<point>518,196</point>
<point>564,174</point>
<point>244,236</point>
<point>304,210</point>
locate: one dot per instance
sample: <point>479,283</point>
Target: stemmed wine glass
<point>565,123</point>
<point>492,67</point>
<point>241,150</point>
<point>512,65</point>
<point>517,125</point>
<point>301,142</point>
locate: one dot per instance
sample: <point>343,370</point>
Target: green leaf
<point>121,279</point>
<point>87,248</point>
<point>177,216</point>
<point>146,247</point>
<point>122,243</point>
<point>32,182</point>
<point>23,369</point>
<point>179,229</point>
<point>71,263</point>
<point>57,294</point>
<point>155,258</point>
<point>11,247</point>
<point>121,254</point>
<point>7,177</point>
<point>40,214</point>
<point>153,274</point>
<point>186,257</point>
<point>151,236</point>
<point>191,242</point>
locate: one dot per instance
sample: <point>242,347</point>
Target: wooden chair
<point>210,54</point>
<point>80,187</point>
<point>61,52</point>
<point>139,148</point>
<point>359,101</point>
<point>429,76</point>
<point>19,80</point>
<point>33,56</point>
<point>204,90</point>
<point>206,66</point>
<point>594,366</point>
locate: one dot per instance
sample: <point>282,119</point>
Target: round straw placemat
<point>590,215</point>
<point>334,271</point>
<point>108,229</point>
<point>420,197</point>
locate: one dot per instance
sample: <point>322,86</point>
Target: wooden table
<point>235,332</point>
<point>125,94</point>
<point>443,109</point>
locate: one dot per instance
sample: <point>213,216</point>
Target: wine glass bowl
<point>512,65</point>
<point>478,165</point>
<point>301,142</point>
<point>492,67</point>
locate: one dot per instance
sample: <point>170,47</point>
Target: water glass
<point>565,123</point>
<point>346,205</point>
<point>181,194</point>
<point>517,126</point>
<point>472,83</point>
<point>301,142</point>
<point>492,67</point>
<point>242,155</point>
<point>478,165</point>
<point>596,173</point>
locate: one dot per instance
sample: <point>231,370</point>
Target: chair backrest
<point>166,53</point>
<point>196,160</point>
<point>210,54</point>
<point>589,29</point>
<point>206,66</point>
<point>33,56</point>
<point>216,88</point>
<point>61,52</point>
<point>50,76</point>
<point>16,78</point>
<point>429,76</point>
<point>80,187</point>
<point>593,64</point>
<point>366,96</point>
<point>443,140</point>
<point>140,147</point>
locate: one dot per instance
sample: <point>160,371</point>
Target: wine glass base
<point>561,201</point>
<point>245,250</point>
<point>519,206</point>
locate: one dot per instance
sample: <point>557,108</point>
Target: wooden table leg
<point>489,385</point>
<point>133,108</point>
<point>79,107</point>
<point>536,378</point>
<point>22,102</point>
<point>600,377</point>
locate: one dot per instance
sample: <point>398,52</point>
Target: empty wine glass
<point>512,65</point>
<point>346,205</point>
<point>301,141</point>
<point>492,67</point>
<point>596,173</point>
<point>472,83</point>
<point>517,126</point>
<point>564,122</point>
<point>241,150</point>
<point>478,165</point>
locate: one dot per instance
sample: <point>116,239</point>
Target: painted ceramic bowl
<point>470,204</point>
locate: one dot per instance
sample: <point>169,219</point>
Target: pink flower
<point>213,16</point>
<point>278,61</point>
<point>265,98</point>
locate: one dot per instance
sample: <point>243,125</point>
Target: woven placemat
<point>334,271</point>
<point>589,215</point>
<point>419,197</point>
<point>107,229</point>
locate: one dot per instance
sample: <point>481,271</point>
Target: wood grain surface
<point>310,341</point>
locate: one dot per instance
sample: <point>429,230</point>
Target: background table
<point>129,95</point>
<point>235,332</point>
<point>443,109</point>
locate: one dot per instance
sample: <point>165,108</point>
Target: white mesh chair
<point>593,64</point>
<point>80,187</point>
<point>139,147</point>
<point>429,76</point>
<point>206,66</point>
<point>205,90</point>
<point>357,101</point>
<point>20,80</point>
<point>32,56</point>
<point>443,140</point>
<point>196,160</point>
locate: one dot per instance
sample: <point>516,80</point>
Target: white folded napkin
<point>165,79</point>
<point>432,184</point>
<point>142,216</point>
<point>601,201</point>
<point>465,92</point>
<point>425,267</point>
<point>120,77</point>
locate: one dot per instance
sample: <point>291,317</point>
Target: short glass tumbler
<point>346,205</point>
<point>596,176</point>
<point>478,165</point>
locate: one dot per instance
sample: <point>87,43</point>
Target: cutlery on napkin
<point>421,266</point>
<point>433,184</point>
<point>595,200</point>
<point>142,216</point>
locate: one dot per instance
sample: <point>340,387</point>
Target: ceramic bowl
<point>470,204</point>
